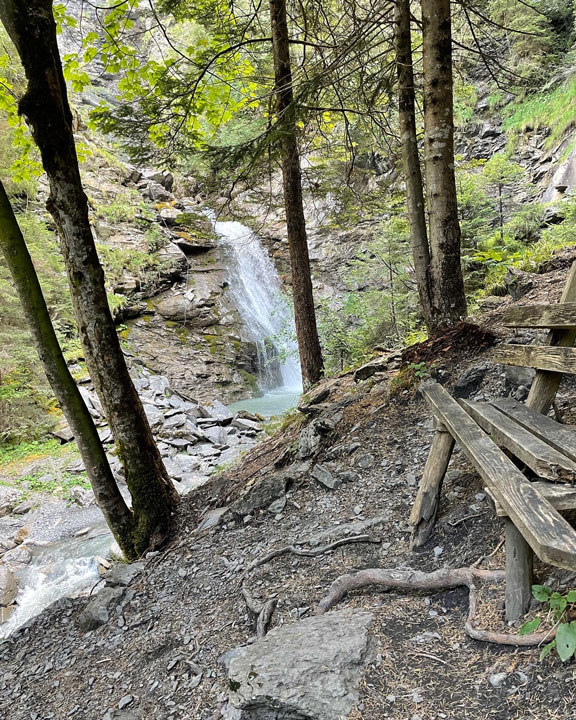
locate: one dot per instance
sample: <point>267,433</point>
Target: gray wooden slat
<point>546,461</point>
<point>560,437</point>
<point>545,384</point>
<point>549,535</point>
<point>561,497</point>
<point>561,316</point>
<point>542,357</point>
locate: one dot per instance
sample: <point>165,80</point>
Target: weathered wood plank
<point>425,508</point>
<point>549,535</point>
<point>561,497</point>
<point>519,573</point>
<point>560,437</point>
<point>560,316</point>
<point>542,357</point>
<point>546,461</point>
<point>545,385</point>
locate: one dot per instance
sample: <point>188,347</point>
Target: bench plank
<point>561,497</point>
<point>558,317</point>
<point>549,535</point>
<point>546,384</point>
<point>560,437</point>
<point>546,461</point>
<point>542,357</point>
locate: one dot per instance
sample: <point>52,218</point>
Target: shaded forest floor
<point>158,655</point>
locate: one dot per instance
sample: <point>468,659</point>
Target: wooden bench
<point>526,459</point>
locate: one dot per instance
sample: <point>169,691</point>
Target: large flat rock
<point>309,670</point>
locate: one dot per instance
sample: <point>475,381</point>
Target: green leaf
<point>547,649</point>
<point>571,596</point>
<point>541,592</point>
<point>558,603</point>
<point>566,640</point>
<point>529,626</point>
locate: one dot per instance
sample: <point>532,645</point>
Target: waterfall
<point>257,293</point>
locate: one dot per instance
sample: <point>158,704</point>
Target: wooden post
<point>519,555</point>
<point>425,509</point>
<point>546,384</point>
<point>519,561</point>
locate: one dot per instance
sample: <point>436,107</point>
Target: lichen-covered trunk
<point>21,267</point>
<point>32,28</point>
<point>446,281</point>
<point>411,157</point>
<point>311,360</point>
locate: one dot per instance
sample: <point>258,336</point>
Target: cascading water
<point>257,293</point>
<point>64,568</point>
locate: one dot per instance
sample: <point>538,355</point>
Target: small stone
<point>497,679</point>
<point>125,701</point>
<point>365,462</point>
<point>277,506</point>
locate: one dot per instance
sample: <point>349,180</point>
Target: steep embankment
<point>348,464</point>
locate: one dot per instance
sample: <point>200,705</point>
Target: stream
<point>69,565</point>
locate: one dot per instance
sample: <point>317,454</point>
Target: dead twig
<point>309,552</point>
<point>466,517</point>
<point>485,557</point>
<point>443,579</point>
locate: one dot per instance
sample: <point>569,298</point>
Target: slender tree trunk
<point>19,262</point>
<point>305,315</point>
<point>411,157</point>
<point>446,281</point>
<point>32,28</point>
<point>501,210</point>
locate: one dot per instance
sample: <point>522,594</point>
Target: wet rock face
<point>309,670</point>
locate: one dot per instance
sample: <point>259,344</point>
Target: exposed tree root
<point>309,552</point>
<point>443,579</point>
<point>261,612</point>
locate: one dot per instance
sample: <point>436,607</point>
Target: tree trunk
<point>305,315</point>
<point>411,157</point>
<point>446,281</point>
<point>19,262</point>
<point>32,28</point>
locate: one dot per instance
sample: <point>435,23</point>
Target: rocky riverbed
<point>195,440</point>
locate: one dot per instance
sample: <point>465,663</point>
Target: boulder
<point>470,381</point>
<point>164,178</point>
<point>170,216</point>
<point>123,574</point>
<point>99,609</point>
<point>261,493</point>
<point>325,477</point>
<point>8,498</point>
<point>177,307</point>
<point>215,410</point>
<point>155,191</point>
<point>8,586</point>
<point>309,670</point>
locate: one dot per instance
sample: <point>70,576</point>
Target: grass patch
<point>555,110</point>
<point>30,451</point>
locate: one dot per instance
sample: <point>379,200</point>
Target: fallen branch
<point>309,552</point>
<point>443,579</point>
